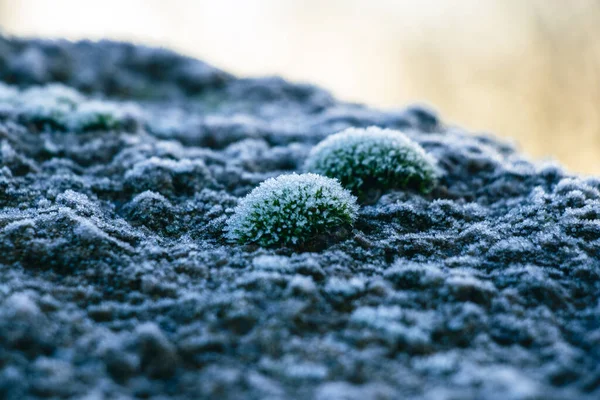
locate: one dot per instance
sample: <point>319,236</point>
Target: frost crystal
<point>292,210</point>
<point>373,158</point>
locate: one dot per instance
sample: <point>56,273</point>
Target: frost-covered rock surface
<point>116,281</point>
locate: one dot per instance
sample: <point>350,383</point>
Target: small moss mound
<point>373,159</point>
<point>46,106</point>
<point>102,115</point>
<point>56,107</point>
<point>292,210</point>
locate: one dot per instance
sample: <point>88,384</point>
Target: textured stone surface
<point>116,282</point>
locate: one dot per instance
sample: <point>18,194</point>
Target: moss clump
<point>56,107</point>
<point>292,210</point>
<point>102,115</point>
<point>373,159</point>
<point>46,106</point>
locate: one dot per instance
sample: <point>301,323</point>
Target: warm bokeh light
<point>529,71</point>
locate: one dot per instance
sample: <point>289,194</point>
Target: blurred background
<point>526,70</point>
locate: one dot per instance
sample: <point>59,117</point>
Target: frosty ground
<point>116,280</point>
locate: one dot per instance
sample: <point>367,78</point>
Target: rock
<point>158,357</point>
<point>116,280</point>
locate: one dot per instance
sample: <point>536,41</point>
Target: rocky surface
<point>116,282</point>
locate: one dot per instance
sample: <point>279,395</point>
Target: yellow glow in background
<point>525,70</point>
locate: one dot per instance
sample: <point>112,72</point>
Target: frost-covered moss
<point>46,106</point>
<point>102,115</point>
<point>373,159</point>
<point>292,210</point>
<point>59,107</point>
